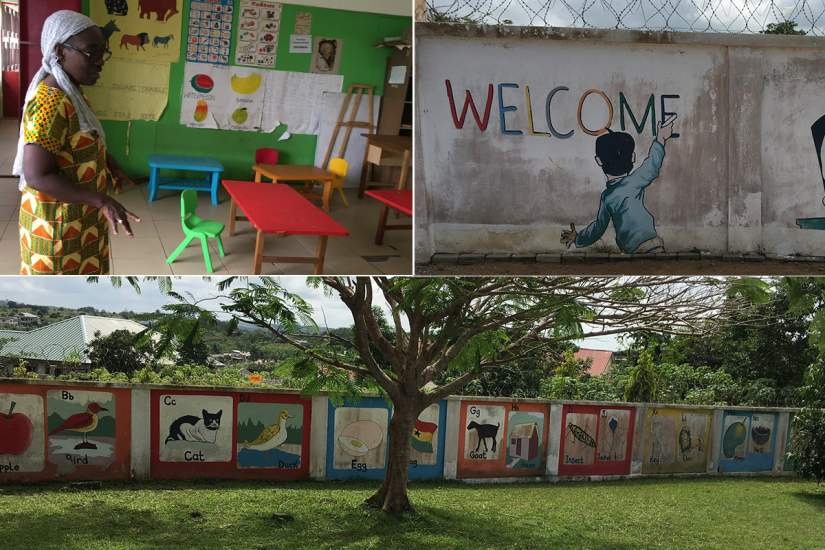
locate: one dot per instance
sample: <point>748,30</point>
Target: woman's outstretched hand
<point>116,213</point>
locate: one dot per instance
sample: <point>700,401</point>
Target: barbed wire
<point>724,16</point>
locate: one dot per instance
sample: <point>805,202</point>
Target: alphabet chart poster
<point>258,26</point>
<point>210,31</point>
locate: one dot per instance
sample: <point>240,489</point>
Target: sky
<point>720,15</point>
<point>76,292</point>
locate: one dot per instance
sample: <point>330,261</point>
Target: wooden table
<point>397,199</point>
<point>292,172</point>
<point>280,210</point>
<point>212,167</point>
<point>377,145</point>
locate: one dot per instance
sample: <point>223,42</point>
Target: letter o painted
<point>604,128</point>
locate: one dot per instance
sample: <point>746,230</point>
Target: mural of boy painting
<point>623,200</point>
<point>818,131</point>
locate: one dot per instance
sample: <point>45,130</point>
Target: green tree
<point>643,383</point>
<point>807,450</point>
<point>785,27</point>
<point>119,351</point>
<point>446,332</point>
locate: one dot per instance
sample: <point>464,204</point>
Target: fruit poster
<point>140,30</point>
<point>22,433</point>
<point>259,23</point>
<point>222,97</point>
<point>210,31</point>
<point>129,90</point>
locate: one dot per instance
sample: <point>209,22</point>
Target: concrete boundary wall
<point>508,120</point>
<point>73,430</point>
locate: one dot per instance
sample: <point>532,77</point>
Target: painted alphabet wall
<point>748,442</point>
<point>64,432</point>
<point>358,440</point>
<point>502,439</point>
<point>597,440</point>
<point>676,440</point>
<point>562,140</point>
<point>239,435</point>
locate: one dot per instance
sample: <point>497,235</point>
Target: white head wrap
<point>59,27</point>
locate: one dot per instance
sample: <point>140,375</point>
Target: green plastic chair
<point>195,227</point>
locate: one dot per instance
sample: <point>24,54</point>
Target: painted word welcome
<point>625,111</point>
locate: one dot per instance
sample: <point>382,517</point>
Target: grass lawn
<point>664,513</point>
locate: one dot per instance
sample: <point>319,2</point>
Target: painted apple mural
<point>15,432</point>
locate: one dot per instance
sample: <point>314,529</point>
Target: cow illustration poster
<point>270,435</point>
<point>195,428</point>
<point>140,30</point>
<point>22,434</point>
<point>483,432</point>
<point>81,428</point>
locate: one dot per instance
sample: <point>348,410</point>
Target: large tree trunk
<point>391,497</point>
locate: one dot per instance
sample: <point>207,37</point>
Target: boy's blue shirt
<point>623,202</point>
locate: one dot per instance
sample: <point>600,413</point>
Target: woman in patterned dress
<point>65,170</point>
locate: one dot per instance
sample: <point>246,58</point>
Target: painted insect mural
<point>581,435</point>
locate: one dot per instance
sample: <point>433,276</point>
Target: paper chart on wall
<point>296,99</point>
<point>259,23</point>
<point>222,97</point>
<point>129,90</point>
<point>210,31</point>
<point>143,30</point>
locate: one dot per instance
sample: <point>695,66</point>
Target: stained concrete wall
<point>743,169</point>
<point>137,438</point>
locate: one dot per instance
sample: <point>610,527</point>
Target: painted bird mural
<point>82,423</point>
<point>270,437</point>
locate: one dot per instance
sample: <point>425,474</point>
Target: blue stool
<point>212,167</point>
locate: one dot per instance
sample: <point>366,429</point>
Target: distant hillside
<point>255,340</point>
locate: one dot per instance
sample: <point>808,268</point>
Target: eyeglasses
<point>104,56</point>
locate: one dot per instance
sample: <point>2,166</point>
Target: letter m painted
<point>470,104</point>
<point>640,126</point>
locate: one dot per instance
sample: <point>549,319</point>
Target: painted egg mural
<point>734,436</point>
<point>359,438</point>
<point>202,83</point>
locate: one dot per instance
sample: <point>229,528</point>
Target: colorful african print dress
<point>58,237</point>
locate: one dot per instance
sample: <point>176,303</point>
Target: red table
<point>397,199</point>
<point>280,210</point>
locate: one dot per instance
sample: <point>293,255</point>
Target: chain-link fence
<point>728,16</point>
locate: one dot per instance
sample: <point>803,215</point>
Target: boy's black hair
<point>615,150</point>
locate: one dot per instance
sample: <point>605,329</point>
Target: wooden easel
<point>358,91</point>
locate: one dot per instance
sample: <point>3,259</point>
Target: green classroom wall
<point>361,63</point>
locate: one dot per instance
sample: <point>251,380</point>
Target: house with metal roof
<point>53,348</point>
<point>601,360</point>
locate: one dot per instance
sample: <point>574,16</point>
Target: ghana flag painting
<point>422,436</point>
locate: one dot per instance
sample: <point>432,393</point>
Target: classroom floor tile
<point>159,233</point>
